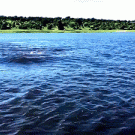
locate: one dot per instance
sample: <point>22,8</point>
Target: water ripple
<point>67,84</point>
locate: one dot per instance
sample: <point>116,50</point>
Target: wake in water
<point>30,56</point>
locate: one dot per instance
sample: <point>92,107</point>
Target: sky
<point>99,9</point>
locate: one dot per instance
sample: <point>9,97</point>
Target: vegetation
<point>58,24</point>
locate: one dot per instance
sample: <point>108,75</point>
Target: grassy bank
<point>84,30</point>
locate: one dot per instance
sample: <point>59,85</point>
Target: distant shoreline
<point>62,31</point>
<point>63,25</point>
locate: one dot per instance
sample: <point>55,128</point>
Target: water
<point>67,83</point>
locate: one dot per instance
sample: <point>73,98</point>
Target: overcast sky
<point>100,9</point>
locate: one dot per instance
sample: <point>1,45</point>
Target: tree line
<point>63,23</point>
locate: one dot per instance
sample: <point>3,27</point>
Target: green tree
<point>13,24</point>
<point>73,25</point>
<point>79,22</point>
<point>50,26</point>
<point>5,25</point>
<point>60,25</point>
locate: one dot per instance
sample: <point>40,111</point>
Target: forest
<point>8,22</point>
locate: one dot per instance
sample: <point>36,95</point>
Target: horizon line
<point>65,17</point>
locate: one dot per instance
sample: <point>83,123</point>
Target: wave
<point>30,56</point>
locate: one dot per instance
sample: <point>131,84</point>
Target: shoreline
<point>62,31</point>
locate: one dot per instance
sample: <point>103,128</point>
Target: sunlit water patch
<point>67,83</point>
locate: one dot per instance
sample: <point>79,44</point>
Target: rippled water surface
<point>67,84</point>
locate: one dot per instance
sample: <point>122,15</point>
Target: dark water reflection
<point>67,84</point>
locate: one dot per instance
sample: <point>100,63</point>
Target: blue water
<point>67,83</point>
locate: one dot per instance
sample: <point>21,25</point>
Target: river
<point>67,83</point>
